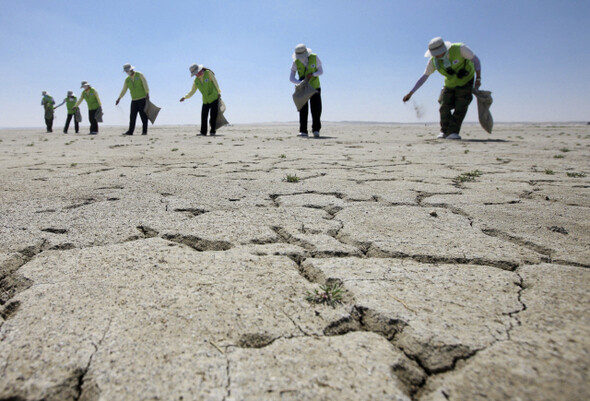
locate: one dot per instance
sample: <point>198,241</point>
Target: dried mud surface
<point>178,267</point>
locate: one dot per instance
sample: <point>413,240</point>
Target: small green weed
<point>330,293</point>
<point>467,177</point>
<point>292,178</point>
<point>283,156</point>
<point>73,164</point>
<point>174,149</point>
<point>576,175</point>
<point>564,150</point>
<point>548,171</point>
<point>558,156</point>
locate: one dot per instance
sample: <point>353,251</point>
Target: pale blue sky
<point>534,56</point>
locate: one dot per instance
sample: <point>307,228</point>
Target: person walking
<point>308,66</point>
<point>458,64</point>
<point>48,105</point>
<point>206,83</point>
<point>140,92</point>
<point>70,101</point>
<point>93,101</point>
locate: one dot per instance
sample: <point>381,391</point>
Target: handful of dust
<point>419,110</point>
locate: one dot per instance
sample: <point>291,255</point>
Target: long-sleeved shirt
<point>71,101</point>
<point>61,104</point>
<point>466,52</point>
<point>84,95</point>
<point>143,81</point>
<point>194,88</point>
<point>47,100</point>
<point>319,71</point>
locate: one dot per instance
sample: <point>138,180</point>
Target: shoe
<point>212,133</point>
<point>316,134</point>
<point>303,134</point>
<point>144,133</point>
<point>453,136</point>
<point>201,134</point>
<point>441,135</point>
<point>93,133</point>
<point>127,133</point>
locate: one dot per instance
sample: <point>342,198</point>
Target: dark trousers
<point>138,106</point>
<point>76,125</point>
<point>316,112</point>
<point>92,119</point>
<point>214,107</point>
<point>49,124</point>
<point>457,99</point>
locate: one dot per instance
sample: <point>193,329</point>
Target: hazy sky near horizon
<point>534,56</point>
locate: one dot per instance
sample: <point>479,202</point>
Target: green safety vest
<point>311,68</point>
<point>91,99</point>
<point>457,63</point>
<point>47,101</point>
<point>207,88</point>
<point>70,102</point>
<point>135,86</point>
<point>48,106</point>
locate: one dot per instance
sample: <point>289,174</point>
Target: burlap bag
<point>303,92</point>
<point>98,114</point>
<point>151,110</point>
<point>484,102</point>
<point>220,121</point>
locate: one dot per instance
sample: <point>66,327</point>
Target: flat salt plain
<point>173,266</point>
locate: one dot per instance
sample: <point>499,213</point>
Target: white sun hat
<point>84,83</point>
<point>436,47</point>
<point>301,52</point>
<point>128,67</point>
<point>195,69</point>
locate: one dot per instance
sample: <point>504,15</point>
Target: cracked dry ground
<point>176,267</point>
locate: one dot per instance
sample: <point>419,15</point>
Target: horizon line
<point>359,122</point>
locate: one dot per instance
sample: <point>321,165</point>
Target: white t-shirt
<point>466,52</point>
<point>319,71</point>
